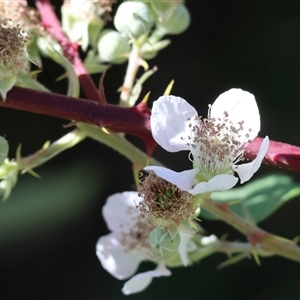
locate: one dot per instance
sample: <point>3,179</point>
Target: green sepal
<point>164,243</point>
<point>6,84</point>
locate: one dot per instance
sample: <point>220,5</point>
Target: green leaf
<point>3,149</point>
<point>258,199</point>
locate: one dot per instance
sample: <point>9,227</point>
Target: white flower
<point>216,144</point>
<point>121,251</point>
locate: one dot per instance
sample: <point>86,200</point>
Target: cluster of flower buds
<point>142,22</point>
<point>84,20</point>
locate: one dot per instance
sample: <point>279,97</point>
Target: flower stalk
<point>49,151</point>
<point>257,237</point>
<point>229,248</point>
<point>132,68</point>
<point>120,144</point>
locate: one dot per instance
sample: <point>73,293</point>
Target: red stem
<point>119,119</point>
<point>134,121</point>
<point>70,50</point>
<point>281,155</point>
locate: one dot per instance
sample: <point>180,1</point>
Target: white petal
<point>169,122</point>
<point>114,259</point>
<point>141,281</point>
<point>119,211</point>
<point>183,180</point>
<point>221,182</point>
<point>183,247</point>
<point>241,106</point>
<point>246,171</point>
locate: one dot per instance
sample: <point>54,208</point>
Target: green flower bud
<point>13,55</point>
<point>133,19</point>
<point>173,18</point>
<point>113,47</point>
<point>164,243</point>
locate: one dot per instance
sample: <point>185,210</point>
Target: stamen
<point>164,204</point>
<point>216,144</point>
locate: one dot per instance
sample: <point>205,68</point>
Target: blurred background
<point>49,226</point>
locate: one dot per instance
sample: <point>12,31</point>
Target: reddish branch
<point>281,155</point>
<point>134,121</point>
<point>70,50</point>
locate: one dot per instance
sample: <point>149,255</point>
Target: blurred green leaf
<point>258,199</point>
<point>3,149</point>
<point>60,197</point>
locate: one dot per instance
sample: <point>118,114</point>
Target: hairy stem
<point>116,118</point>
<point>46,153</point>
<point>281,155</point>
<point>226,247</point>
<point>118,143</point>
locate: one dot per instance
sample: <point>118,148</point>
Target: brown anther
<point>164,201</point>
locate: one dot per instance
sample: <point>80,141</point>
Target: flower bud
<point>113,47</point>
<point>173,18</point>
<point>133,19</point>
<point>13,55</point>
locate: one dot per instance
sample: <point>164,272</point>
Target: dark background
<point>49,226</point>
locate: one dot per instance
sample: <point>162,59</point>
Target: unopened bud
<point>133,19</point>
<point>113,47</point>
<point>174,18</point>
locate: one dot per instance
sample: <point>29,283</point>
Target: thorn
<point>256,257</point>
<point>146,97</point>
<point>101,88</point>
<point>105,130</point>
<point>31,172</point>
<point>18,153</point>
<point>169,88</point>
